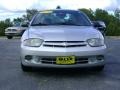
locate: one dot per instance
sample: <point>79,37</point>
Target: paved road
<point>12,77</point>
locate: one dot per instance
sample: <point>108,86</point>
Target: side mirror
<point>100,25</point>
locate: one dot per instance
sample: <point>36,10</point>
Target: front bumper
<point>86,52</point>
<point>14,33</point>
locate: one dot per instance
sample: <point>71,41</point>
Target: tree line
<point>112,21</point>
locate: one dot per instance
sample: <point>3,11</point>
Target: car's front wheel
<point>26,68</point>
<point>99,68</point>
<point>9,37</point>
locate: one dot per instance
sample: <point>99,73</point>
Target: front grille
<point>64,41</point>
<point>64,44</point>
<point>11,30</point>
<point>52,60</point>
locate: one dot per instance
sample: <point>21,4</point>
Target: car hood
<point>63,33</point>
<point>17,28</point>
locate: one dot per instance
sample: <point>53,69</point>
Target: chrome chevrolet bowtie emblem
<point>65,44</point>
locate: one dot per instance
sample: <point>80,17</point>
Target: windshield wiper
<point>63,23</point>
<point>39,24</point>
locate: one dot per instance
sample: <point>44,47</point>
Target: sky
<point>16,8</point>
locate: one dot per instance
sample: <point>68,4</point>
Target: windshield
<point>16,24</point>
<point>60,18</point>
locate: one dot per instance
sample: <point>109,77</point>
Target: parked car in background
<point>15,30</point>
<point>62,39</point>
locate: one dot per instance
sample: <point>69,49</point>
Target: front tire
<point>9,37</point>
<point>25,68</point>
<point>99,68</point>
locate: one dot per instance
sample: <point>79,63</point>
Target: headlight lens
<point>33,42</point>
<point>95,42</point>
<point>6,30</point>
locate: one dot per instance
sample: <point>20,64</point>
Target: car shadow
<point>74,72</point>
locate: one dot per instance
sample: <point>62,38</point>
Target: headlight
<point>6,30</point>
<point>95,42</point>
<point>33,42</point>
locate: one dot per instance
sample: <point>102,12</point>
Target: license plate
<point>65,60</point>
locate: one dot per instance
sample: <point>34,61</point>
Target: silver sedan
<point>62,39</point>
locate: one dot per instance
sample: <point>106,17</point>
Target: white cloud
<point>14,6</point>
<point>17,4</point>
<point>10,15</point>
<point>75,4</point>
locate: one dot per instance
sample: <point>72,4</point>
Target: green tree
<point>29,14</point>
<point>89,13</point>
<point>102,15</point>
<point>117,13</point>
<point>8,21</point>
<point>113,29</point>
<point>3,25</point>
<point>17,20</point>
<point>112,21</point>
